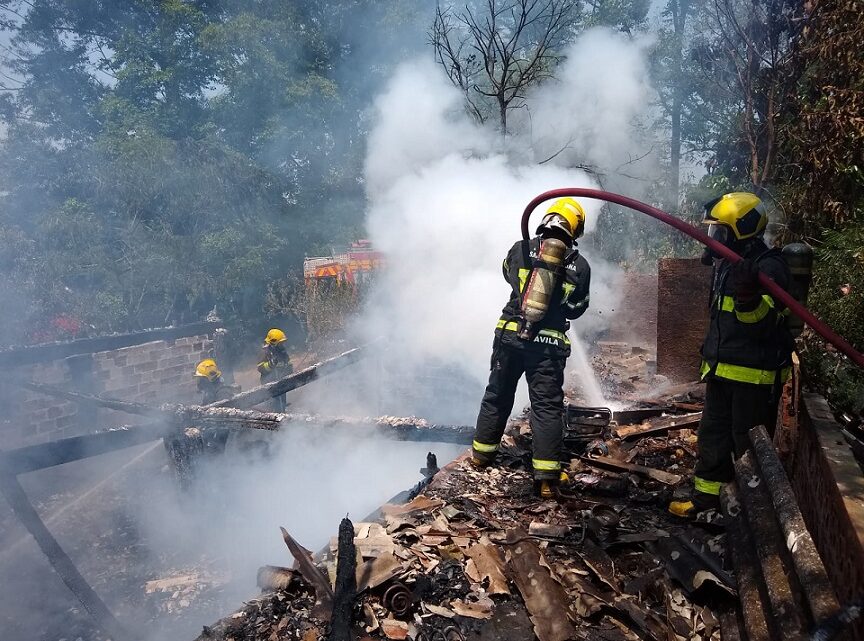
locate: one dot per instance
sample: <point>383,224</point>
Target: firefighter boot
<point>699,502</point>
<point>478,463</point>
<point>549,489</point>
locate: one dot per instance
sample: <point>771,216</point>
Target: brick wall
<point>153,372</point>
<point>683,285</point>
<point>634,319</point>
<point>829,486</point>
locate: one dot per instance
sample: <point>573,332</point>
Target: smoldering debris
<point>477,549</point>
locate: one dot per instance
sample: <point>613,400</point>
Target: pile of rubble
<point>478,556</point>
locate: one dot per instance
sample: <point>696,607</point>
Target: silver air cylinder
<point>799,257</point>
<point>541,285</point>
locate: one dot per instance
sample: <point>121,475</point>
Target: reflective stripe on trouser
<point>482,450</point>
<point>707,487</point>
<point>743,374</point>
<point>545,377</point>
<point>513,326</point>
<point>540,465</point>
<point>731,410</point>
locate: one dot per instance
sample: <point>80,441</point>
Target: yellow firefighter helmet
<point>275,336</point>
<point>207,369</point>
<point>565,214</point>
<point>740,211</point>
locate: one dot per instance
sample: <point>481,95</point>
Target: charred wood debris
<point>473,554</point>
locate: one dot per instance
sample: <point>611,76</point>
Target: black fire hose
<point>718,248</point>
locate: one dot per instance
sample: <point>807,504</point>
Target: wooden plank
<point>808,566</point>
<point>263,393</point>
<point>770,548</point>
<point>739,543</point>
<point>607,462</point>
<point>659,426</point>
<point>60,561</point>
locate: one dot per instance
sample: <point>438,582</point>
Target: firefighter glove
<point>745,279</point>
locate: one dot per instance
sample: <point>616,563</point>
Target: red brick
<point>682,316</point>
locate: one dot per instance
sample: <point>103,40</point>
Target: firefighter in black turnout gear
<point>210,383</point>
<point>213,388</point>
<point>549,281</point>
<point>275,363</point>
<point>747,350</point>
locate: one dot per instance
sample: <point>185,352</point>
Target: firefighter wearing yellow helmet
<point>275,363</point>
<point>747,349</point>
<point>549,281</point>
<point>210,382</point>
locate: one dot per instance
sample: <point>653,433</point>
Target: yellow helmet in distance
<point>275,336</point>
<point>740,211</point>
<point>207,369</point>
<point>565,214</point>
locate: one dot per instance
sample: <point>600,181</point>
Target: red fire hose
<point>718,248</point>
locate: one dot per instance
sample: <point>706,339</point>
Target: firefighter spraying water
<point>549,287</point>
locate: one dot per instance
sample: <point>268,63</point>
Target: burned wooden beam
<point>67,450</point>
<point>121,406</point>
<point>345,592</point>
<point>751,591</point>
<point>659,426</point>
<point>75,448</point>
<point>224,417</point>
<point>391,427</point>
<point>246,399</point>
<point>811,572</point>
<point>609,463</point>
<point>263,393</point>
<point>770,548</point>
<point>59,560</point>
<point>323,593</point>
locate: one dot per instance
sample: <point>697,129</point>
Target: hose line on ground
<point>718,248</point>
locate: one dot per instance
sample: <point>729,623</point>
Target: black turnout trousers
<point>544,374</point>
<point>731,410</point>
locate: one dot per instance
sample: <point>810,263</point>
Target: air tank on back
<point>544,278</point>
<point>799,257</point>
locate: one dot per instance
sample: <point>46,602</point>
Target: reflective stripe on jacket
<point>569,300</point>
<point>748,343</point>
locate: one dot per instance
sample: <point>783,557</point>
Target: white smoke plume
<point>446,195</point>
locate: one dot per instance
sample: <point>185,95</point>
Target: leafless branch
<point>501,50</point>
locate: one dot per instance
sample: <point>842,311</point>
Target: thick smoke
<point>446,195</point>
<point>594,109</point>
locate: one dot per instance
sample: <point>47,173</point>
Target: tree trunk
<point>678,9</point>
<point>675,151</point>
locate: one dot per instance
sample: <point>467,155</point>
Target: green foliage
<point>821,143</point>
<point>164,157</point>
<point>838,282</point>
<point>323,306</point>
<point>837,297</point>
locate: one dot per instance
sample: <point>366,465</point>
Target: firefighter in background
<point>210,383</point>
<point>213,388</point>
<point>538,348</point>
<point>275,363</point>
<point>747,350</point>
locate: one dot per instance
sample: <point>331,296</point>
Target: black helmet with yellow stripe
<point>735,217</point>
